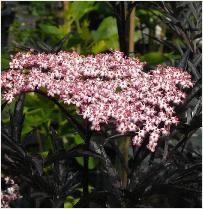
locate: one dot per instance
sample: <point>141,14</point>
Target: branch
<point>113,137</point>
<point>70,118</point>
<point>166,43</point>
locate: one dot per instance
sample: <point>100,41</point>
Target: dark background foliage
<point>58,162</point>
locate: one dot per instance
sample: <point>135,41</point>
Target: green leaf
<point>153,58</point>
<point>91,164</point>
<point>137,36</point>
<point>99,46</point>
<point>106,36</point>
<point>78,139</point>
<point>80,8</point>
<point>33,118</point>
<point>52,30</point>
<point>44,154</point>
<point>5,61</point>
<point>26,129</point>
<point>106,30</point>
<point>68,204</point>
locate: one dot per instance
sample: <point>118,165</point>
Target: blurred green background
<point>91,25</point>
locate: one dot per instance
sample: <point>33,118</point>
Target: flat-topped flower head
<point>104,87</point>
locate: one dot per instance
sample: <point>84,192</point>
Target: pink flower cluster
<point>9,193</point>
<point>106,88</point>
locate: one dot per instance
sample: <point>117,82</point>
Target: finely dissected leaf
<point>56,141</point>
<point>6,139</point>
<point>197,60</point>
<point>189,115</point>
<point>194,71</point>
<point>109,173</point>
<point>195,92</point>
<point>96,197</point>
<point>197,109</point>
<point>33,138</point>
<point>184,60</point>
<point>18,118</point>
<point>37,162</point>
<point>77,151</point>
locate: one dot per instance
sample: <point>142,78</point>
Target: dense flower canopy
<point>107,88</point>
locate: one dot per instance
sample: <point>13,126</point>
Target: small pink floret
<point>104,87</point>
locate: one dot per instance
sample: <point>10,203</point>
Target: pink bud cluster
<point>10,193</point>
<point>106,88</point>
